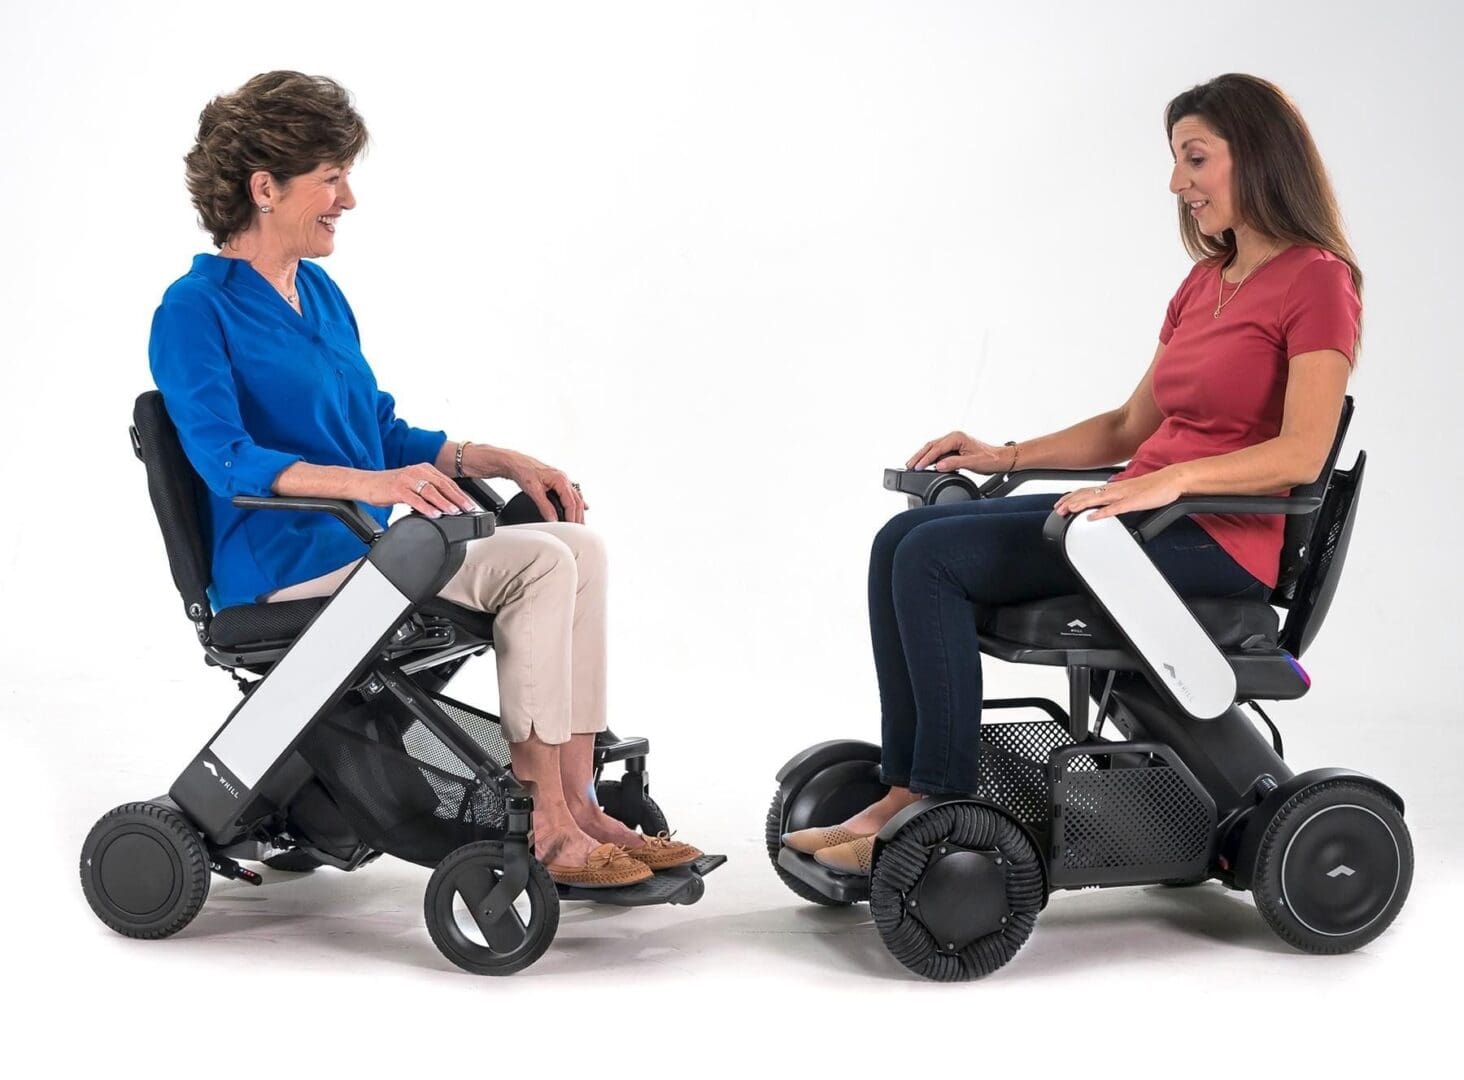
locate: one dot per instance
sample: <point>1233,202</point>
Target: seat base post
<point>1080,686</point>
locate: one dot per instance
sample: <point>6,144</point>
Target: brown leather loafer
<point>662,853</point>
<point>608,867</point>
<point>809,841</point>
<point>852,858</point>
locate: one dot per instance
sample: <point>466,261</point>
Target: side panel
<point>218,784</point>
<point>1150,614</point>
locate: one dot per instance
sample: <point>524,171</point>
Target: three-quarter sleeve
<point>402,444</point>
<point>191,367</point>
<point>1321,310</point>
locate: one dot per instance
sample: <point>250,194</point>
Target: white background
<point>723,263</point>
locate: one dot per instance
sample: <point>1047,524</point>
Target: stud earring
<point>265,209</point>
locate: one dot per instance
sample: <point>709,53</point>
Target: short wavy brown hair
<point>281,122</point>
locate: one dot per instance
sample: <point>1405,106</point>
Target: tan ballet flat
<point>852,858</point>
<point>809,841</point>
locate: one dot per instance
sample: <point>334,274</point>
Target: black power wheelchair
<point>1189,790</point>
<point>346,747</point>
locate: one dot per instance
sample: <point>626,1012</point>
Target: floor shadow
<point>380,918</point>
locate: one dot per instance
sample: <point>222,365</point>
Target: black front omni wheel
<point>471,936</point>
<point>144,870</point>
<point>773,836</point>
<point>956,892</point>
<point>1333,868</point>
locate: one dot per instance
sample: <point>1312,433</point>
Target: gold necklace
<point>291,298</point>
<point>1221,300</point>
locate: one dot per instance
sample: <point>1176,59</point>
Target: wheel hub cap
<point>1340,870</point>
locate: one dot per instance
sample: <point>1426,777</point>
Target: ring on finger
<point>420,485</point>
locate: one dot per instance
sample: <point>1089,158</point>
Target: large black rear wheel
<point>1333,868</point>
<point>144,870</point>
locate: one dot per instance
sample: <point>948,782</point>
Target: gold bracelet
<point>1015,449</point>
<point>458,458</point>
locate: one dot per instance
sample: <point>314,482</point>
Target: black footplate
<point>679,885</point>
<point>848,888</point>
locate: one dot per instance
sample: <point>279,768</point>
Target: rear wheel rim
<point>138,873</point>
<point>1341,870</point>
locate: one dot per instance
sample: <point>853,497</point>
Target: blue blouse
<point>252,388</point>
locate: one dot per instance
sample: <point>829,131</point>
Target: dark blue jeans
<point>931,568</point>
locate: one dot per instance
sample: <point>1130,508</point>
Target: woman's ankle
<point>875,816</point>
<point>562,842</point>
<point>591,818</point>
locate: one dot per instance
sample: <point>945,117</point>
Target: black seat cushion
<point>1074,622</point>
<point>260,624</point>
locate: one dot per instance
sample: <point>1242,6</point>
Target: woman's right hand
<point>959,451</point>
<point>422,487</point>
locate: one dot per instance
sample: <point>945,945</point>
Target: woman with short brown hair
<point>258,357</point>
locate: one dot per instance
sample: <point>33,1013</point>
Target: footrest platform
<point>679,885</point>
<point>847,888</point>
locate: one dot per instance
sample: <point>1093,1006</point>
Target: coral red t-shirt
<point>1221,382</point>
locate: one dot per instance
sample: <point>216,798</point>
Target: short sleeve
<point>1177,303</point>
<point>1321,310</point>
<point>191,367</point>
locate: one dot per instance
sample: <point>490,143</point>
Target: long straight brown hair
<point>1281,185</point>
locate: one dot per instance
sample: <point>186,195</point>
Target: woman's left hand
<point>1147,492</point>
<point>536,481</point>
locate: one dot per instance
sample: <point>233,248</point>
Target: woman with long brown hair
<point>1242,397</point>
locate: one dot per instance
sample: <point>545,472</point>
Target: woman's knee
<point>585,545</point>
<point>512,564</point>
<point>588,547</point>
<point>919,554</point>
<point>892,533</point>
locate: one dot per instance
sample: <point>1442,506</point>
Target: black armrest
<point>1166,516</point>
<point>1001,485</point>
<point>478,490</point>
<point>345,511</point>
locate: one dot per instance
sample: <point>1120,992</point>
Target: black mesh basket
<point>400,787</point>
<point>1014,769</point>
<point>1127,813</point>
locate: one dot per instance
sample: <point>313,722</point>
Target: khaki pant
<point>544,583</point>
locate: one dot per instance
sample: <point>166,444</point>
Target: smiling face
<point>304,212</point>
<point>1201,177</point>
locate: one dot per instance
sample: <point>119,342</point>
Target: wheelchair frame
<point>1198,759</point>
<point>384,635</point>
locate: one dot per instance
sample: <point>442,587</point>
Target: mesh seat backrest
<point>1300,527</point>
<point>1328,551</point>
<point>174,488</point>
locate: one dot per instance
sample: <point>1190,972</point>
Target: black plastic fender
<point>798,768</point>
<point>1250,841</point>
<point>813,777</point>
<point>926,805</point>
